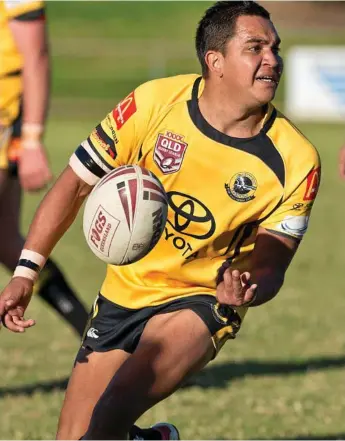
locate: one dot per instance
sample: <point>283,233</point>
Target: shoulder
<point>292,144</point>
<point>164,92</point>
<point>23,9</point>
<point>301,158</point>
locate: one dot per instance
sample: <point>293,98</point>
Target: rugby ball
<point>125,215</point>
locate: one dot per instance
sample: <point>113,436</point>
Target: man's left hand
<point>236,288</point>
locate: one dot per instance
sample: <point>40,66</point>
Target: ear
<point>215,63</point>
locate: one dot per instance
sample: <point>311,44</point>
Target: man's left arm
<point>270,259</point>
<point>277,240</point>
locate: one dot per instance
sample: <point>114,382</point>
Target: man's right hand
<point>13,302</point>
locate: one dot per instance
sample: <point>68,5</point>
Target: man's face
<point>252,66</point>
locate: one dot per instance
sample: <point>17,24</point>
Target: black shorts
<point>114,327</point>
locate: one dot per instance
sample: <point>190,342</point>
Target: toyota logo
<point>189,215</point>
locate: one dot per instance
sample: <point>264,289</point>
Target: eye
<point>255,49</point>
<point>276,50</point>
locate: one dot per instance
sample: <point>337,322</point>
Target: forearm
<point>268,284</point>
<point>56,213</point>
<point>36,84</point>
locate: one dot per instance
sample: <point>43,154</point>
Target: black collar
<point>211,132</point>
<point>259,145</point>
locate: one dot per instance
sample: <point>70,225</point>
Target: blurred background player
<point>24,96</point>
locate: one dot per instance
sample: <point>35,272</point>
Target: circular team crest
<point>242,187</point>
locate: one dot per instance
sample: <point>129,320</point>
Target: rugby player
<point>24,96</point>
<point>241,180</point>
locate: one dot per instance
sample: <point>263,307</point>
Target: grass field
<point>283,377</point>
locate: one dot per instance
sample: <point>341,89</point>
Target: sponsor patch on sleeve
<point>104,141</point>
<point>313,182</point>
<point>124,110</point>
<point>295,226</point>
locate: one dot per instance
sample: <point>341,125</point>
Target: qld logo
<point>169,152</point>
<point>242,187</point>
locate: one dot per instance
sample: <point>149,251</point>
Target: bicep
<point>273,250</point>
<point>70,181</point>
<point>30,37</point>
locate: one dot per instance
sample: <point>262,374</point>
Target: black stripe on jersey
<point>31,15</point>
<point>98,154</point>
<point>13,73</point>
<point>259,145</point>
<point>246,232</point>
<point>88,162</point>
<point>140,154</point>
<point>107,139</point>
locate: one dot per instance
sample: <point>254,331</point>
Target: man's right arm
<point>54,216</point>
<point>57,212</point>
<point>114,142</point>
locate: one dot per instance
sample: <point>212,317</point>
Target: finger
<point>245,278</point>
<point>22,322</point>
<point>236,283</point>
<point>227,278</point>
<point>18,311</point>
<point>250,293</point>
<point>8,322</point>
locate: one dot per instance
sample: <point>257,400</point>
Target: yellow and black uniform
<point>11,64</point>
<point>220,189</point>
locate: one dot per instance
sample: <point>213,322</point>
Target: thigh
<point>173,346</point>
<point>90,376</point>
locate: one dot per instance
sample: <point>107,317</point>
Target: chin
<point>265,98</point>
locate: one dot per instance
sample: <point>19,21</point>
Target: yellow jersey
<point>10,58</point>
<point>220,188</point>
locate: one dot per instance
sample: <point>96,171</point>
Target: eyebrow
<point>262,40</point>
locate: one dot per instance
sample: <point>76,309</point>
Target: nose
<point>272,58</point>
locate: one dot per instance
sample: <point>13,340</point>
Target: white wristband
<point>31,134</point>
<point>29,265</point>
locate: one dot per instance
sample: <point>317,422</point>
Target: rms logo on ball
<point>102,230</point>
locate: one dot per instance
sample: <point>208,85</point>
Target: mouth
<point>268,79</point>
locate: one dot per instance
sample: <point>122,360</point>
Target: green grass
<point>283,377</point>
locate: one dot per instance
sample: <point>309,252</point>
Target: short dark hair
<point>218,25</point>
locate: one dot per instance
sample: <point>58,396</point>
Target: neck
<point>229,115</point>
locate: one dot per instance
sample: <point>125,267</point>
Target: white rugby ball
<point>125,215</point>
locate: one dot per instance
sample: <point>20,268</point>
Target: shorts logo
<point>92,333</point>
<point>242,187</point>
<point>313,182</point>
<point>169,152</point>
<point>124,110</point>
